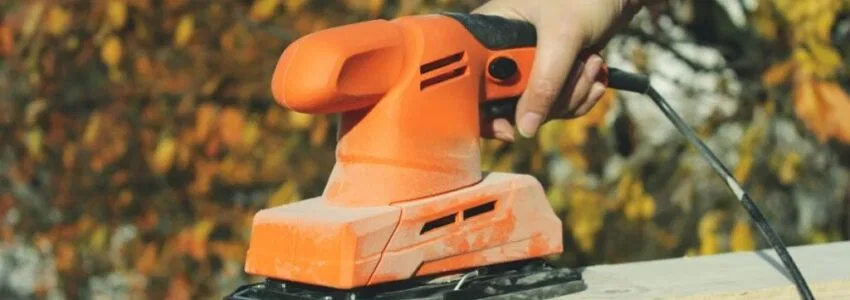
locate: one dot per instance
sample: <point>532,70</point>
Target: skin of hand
<point>563,83</point>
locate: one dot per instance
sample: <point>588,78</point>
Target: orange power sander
<point>407,212</point>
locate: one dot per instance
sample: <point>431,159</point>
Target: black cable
<point>640,84</point>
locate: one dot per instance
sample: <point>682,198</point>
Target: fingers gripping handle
<point>499,34</point>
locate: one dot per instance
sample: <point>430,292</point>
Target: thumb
<point>557,49</point>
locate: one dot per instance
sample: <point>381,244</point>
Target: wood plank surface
<point>742,275</point>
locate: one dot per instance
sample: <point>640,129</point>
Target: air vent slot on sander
<point>442,76</point>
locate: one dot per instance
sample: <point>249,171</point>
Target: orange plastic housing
<point>409,91</point>
<point>505,217</point>
<point>407,196</point>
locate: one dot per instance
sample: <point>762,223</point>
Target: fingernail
<point>596,91</point>
<point>506,136</point>
<point>594,64</point>
<point>528,124</point>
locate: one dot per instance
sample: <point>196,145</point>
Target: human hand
<point>563,83</point>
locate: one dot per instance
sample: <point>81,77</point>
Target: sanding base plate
<point>528,279</point>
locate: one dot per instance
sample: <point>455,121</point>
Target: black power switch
<point>502,68</point>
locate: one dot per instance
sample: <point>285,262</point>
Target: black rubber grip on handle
<point>497,33</point>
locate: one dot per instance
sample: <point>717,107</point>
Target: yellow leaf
<point>33,19</point>
<point>578,160</point>
<point>163,156</point>
<point>287,193</point>
<point>777,73</point>
<point>549,136</point>
<point>202,230</point>
<point>818,237</point>
<point>742,169</point>
<point>375,7</point>
<point>299,120</point>
<point>57,20</point>
<point>320,131</point>
<point>295,5</point>
<point>624,188</point>
<point>632,210</point>
<point>97,241</point>
<point>764,22</point>
<point>599,111</point>
<point>251,135</point>
<point>742,237</point>
<point>788,168</point>
<point>575,133</point>
<point>92,129</point>
<point>504,163</point>
<point>828,59</point>
<point>111,51</point>
<point>556,197</point>
<point>262,10</point>
<point>647,207</point>
<point>200,235</point>
<point>184,31</point>
<point>116,13</point>
<point>33,142</point>
<point>824,23</point>
<point>585,217</point>
<point>707,232</point>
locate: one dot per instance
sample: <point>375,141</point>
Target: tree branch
<point>666,45</point>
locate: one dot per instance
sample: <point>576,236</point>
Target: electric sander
<point>408,212</point>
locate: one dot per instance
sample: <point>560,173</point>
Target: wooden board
<point>743,275</point>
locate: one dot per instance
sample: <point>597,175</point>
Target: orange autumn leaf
<point>823,106</point>
<point>112,51</point>
<point>777,73</point>
<point>808,108</point>
<point>200,237</point>
<point>204,121</point>
<point>7,41</point>
<point>180,288</point>
<point>144,68</point>
<point>65,257</point>
<point>231,125</point>
<point>837,104</point>
<point>147,261</point>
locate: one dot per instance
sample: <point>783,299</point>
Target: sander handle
<point>500,33</point>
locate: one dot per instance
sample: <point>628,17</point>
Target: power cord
<point>622,80</point>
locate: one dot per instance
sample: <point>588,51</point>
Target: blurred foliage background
<point>139,137</point>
